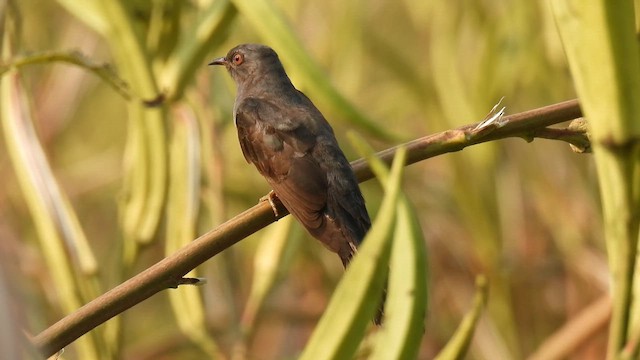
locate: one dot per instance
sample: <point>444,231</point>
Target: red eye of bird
<point>238,59</point>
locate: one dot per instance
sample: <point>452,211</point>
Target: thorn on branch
<point>190,281</point>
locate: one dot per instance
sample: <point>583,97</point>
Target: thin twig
<point>168,272</point>
<point>104,71</point>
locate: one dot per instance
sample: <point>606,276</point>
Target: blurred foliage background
<point>142,182</point>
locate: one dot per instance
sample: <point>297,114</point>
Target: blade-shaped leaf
<point>357,296</point>
<point>55,222</point>
<point>457,346</point>
<point>182,215</point>
<point>406,304</point>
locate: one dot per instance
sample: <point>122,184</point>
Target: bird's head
<point>251,62</point>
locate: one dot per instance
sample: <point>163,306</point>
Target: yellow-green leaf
<point>358,294</point>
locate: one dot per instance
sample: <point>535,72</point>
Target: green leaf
<point>602,49</point>
<point>457,346</point>
<point>357,296</point>
<point>146,153</point>
<point>57,225</point>
<point>182,216</point>
<point>406,304</point>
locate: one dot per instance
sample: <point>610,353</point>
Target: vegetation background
<point>524,214</point>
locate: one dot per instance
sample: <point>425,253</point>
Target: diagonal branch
<point>168,272</point>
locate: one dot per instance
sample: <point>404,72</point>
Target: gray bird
<point>292,145</point>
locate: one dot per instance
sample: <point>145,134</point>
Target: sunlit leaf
<point>406,303</point>
<point>456,347</point>
<point>358,294</point>
<point>182,215</point>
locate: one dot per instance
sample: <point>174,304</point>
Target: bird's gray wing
<point>281,149</point>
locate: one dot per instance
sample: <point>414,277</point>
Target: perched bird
<point>293,146</point>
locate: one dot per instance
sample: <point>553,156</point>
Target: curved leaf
<point>182,215</point>
<point>357,296</point>
<point>457,346</point>
<point>406,303</point>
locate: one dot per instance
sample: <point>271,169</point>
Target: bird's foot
<point>270,197</point>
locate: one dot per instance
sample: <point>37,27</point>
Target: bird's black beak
<point>219,61</point>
